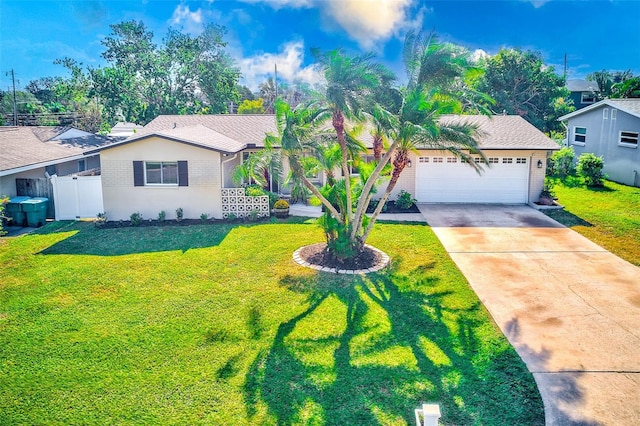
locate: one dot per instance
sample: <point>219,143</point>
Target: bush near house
<point>590,168</point>
<point>562,163</point>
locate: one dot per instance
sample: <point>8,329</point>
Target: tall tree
<point>521,83</point>
<point>184,75</point>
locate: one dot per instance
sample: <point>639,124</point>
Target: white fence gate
<point>77,197</point>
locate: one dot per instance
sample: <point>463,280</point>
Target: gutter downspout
<point>567,132</point>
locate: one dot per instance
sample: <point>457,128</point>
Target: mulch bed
<point>391,208</point>
<point>317,254</point>
<point>169,222</point>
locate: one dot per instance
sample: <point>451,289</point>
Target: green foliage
<point>405,201</point>
<point>618,84</point>
<point>590,168</point>
<point>101,219</point>
<point>254,190</point>
<point>231,217</point>
<point>562,162</point>
<point>281,204</point>
<point>184,75</point>
<point>162,215</point>
<point>179,214</point>
<point>204,217</point>
<point>136,219</point>
<point>3,202</point>
<point>251,106</point>
<point>521,83</point>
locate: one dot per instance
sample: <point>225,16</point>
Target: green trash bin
<point>13,209</point>
<point>36,211</point>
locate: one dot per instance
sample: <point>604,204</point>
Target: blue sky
<point>594,35</point>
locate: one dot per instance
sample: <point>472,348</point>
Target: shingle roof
<point>504,132</point>
<point>26,146</point>
<point>582,86</point>
<point>245,129</point>
<point>198,135</point>
<point>630,106</point>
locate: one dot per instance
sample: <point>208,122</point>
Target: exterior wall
<point>602,138</point>
<point>8,183</point>
<point>229,163</point>
<point>407,179</point>
<point>122,198</point>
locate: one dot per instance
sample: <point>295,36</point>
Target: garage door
<point>449,180</point>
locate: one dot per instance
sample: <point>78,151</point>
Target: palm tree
<point>268,91</point>
<point>349,81</point>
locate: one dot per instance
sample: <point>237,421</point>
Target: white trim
<point>576,134</point>
<point>42,164</point>
<point>628,144</point>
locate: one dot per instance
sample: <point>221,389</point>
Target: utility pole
<point>15,104</point>
<point>565,67</point>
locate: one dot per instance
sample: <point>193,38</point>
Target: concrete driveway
<point>569,307</point>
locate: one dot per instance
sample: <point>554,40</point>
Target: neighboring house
<point>39,151</point>
<point>187,162</point>
<point>609,129</point>
<point>124,129</point>
<point>583,92</point>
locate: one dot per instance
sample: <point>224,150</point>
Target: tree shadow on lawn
<point>567,218</point>
<point>90,240</point>
<point>560,390</point>
<point>402,342</point>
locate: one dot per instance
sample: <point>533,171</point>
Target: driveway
<point>569,307</point>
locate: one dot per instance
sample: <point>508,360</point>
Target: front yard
<point>608,216</point>
<point>216,324</point>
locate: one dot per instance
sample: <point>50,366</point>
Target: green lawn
<point>215,324</point>
<point>608,216</point>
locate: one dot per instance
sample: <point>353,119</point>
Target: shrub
<point>590,168</point>
<point>404,200</point>
<point>373,204</point>
<point>562,162</point>
<point>254,190</point>
<point>314,201</point>
<point>162,215</point>
<point>231,217</point>
<point>179,214</point>
<point>136,219</point>
<point>253,215</point>
<point>3,201</point>
<point>101,218</point>
<point>281,204</point>
<point>204,217</point>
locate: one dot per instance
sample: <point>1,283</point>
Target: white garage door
<point>449,180</point>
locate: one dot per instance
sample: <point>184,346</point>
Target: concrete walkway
<point>316,211</point>
<point>570,308</point>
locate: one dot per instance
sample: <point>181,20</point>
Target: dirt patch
<point>317,254</point>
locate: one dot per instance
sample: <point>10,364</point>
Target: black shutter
<point>183,173</point>
<point>138,173</point>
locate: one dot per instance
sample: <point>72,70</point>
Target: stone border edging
<point>384,261</point>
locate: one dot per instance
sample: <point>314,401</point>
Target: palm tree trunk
<point>399,164</point>
<point>365,197</point>
<point>298,171</point>
<point>377,147</point>
<point>338,125</point>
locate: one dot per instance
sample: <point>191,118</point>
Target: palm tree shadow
<point>558,390</point>
<point>397,348</point>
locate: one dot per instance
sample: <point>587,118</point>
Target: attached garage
<point>513,172</point>
<point>446,179</point>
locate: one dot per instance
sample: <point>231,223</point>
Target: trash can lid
<point>36,200</point>
<point>19,199</point>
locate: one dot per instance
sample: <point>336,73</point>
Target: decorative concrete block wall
<point>235,202</point>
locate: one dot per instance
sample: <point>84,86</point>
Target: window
<point>588,98</point>
<point>521,160</point>
<point>579,135</point>
<point>160,173</point>
<point>423,160</point>
<point>614,113</point>
<point>493,160</point>
<point>438,159</point>
<point>605,113</point>
<point>464,160</point>
<point>452,160</point>
<point>82,165</point>
<point>507,160</point>
<point>478,160</point>
<point>628,139</point>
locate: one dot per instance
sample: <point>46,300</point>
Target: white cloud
<point>190,21</point>
<point>478,55</point>
<point>539,3</point>
<point>256,69</point>
<point>370,21</point>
